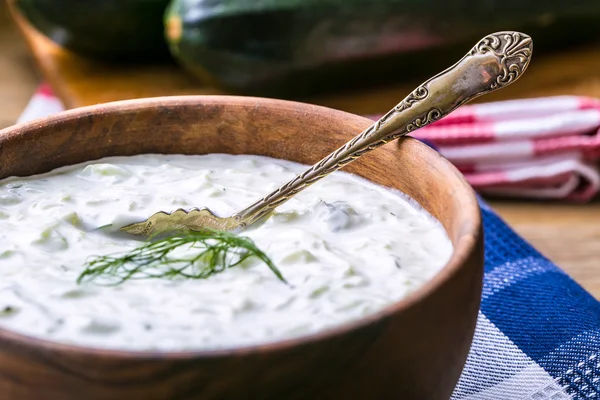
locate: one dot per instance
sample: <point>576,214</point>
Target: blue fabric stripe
<point>502,244</point>
<point>542,312</point>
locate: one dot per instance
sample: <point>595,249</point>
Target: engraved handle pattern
<point>494,62</point>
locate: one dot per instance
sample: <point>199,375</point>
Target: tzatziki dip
<point>346,247</point>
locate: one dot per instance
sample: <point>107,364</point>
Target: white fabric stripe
<point>554,169</point>
<point>536,162</point>
<point>493,151</point>
<point>531,383</point>
<point>559,192</point>
<point>564,123</point>
<point>40,106</point>
<point>509,273</point>
<point>497,369</point>
<point>524,108</point>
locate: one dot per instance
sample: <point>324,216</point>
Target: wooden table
<point>567,234</point>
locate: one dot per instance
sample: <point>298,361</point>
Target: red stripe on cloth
<point>463,115</point>
<point>45,90</point>
<point>590,145</point>
<point>592,153</point>
<point>457,134</point>
<point>487,178</point>
<point>466,168</point>
<point>586,103</point>
<point>498,178</point>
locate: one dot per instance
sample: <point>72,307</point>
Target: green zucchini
<point>101,29</point>
<point>296,47</point>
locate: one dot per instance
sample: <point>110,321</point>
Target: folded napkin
<point>535,148</point>
<point>538,332</point>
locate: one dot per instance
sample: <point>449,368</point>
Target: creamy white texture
<point>347,247</point>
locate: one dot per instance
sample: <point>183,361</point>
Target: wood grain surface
<point>567,234</point>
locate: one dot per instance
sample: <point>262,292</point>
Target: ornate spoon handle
<point>494,62</point>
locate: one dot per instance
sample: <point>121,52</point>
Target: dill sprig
<point>202,254</point>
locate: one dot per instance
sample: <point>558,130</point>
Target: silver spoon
<point>494,62</point>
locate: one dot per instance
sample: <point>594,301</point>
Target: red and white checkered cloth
<point>544,148</point>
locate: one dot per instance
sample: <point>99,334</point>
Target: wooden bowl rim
<point>462,251</point>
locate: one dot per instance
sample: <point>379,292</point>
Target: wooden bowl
<point>413,349</point>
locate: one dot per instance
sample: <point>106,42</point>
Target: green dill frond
<point>192,255</point>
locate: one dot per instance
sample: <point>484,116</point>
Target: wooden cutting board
<point>80,82</point>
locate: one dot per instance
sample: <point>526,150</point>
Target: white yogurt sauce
<point>346,246</point>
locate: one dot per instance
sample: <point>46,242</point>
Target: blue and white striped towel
<point>538,333</point>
